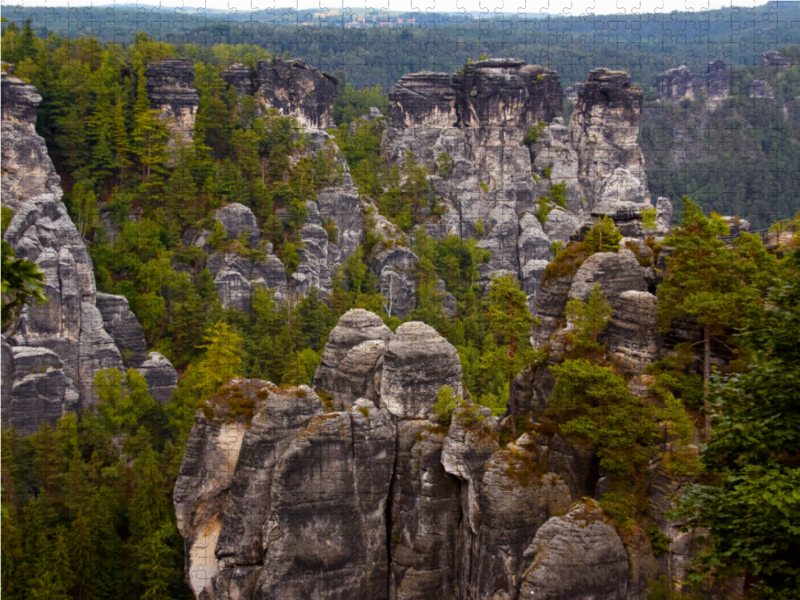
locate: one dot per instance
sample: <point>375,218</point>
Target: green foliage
<point>649,218</point>
<point>709,281</point>
<point>446,403</point>
<point>22,281</point>
<point>602,237</point>
<point>589,319</point>
<point>751,503</point>
<point>222,358</point>
<point>533,133</point>
<point>484,186</point>
<point>511,323</point>
<point>445,165</point>
<point>558,194</point>
<point>592,405</point>
<point>659,542</point>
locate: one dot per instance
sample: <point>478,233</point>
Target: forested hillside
<point>441,349</point>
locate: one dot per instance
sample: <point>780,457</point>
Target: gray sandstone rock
<point>633,339</point>
<point>170,87</point>
<point>236,218</point>
<point>123,326</point>
<point>161,376</point>
<point>394,267</point>
<point>425,513</point>
<point>292,87</point>
<point>354,327</point>
<point>515,502</point>
<point>577,555</point>
<point>325,535</point>
<point>417,362</point>
<point>359,374</point>
<point>77,325</point>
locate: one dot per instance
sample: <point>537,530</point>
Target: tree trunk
<point>512,407</point>
<point>707,377</point>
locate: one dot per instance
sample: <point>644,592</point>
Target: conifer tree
<point>511,323</point>
<point>705,280</point>
<point>222,357</point>
<point>749,500</point>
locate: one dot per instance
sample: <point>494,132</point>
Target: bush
<point>445,405</point>
<point>533,133</point>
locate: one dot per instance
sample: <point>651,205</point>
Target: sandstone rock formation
<point>681,84</point>
<point>292,87</point>
<point>577,555</point>
<point>170,86</point>
<point>480,118</point>
<point>57,348</point>
<point>284,495</point>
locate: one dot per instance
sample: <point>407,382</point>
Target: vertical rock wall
<point>56,348</point>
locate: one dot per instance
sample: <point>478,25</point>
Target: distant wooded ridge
<point>386,45</point>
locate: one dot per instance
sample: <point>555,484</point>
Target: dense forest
<point>87,509</point>
<point>642,44</point>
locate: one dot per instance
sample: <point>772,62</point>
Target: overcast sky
<point>568,7</point>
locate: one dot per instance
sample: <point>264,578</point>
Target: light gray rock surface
<point>417,362</point>
<point>355,327</point>
<point>578,555</point>
<point>161,376</point>
<point>237,218</point>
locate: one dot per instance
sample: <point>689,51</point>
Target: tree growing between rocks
<point>710,282</point>
<point>511,324</point>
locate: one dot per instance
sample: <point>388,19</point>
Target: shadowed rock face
<point>57,348</point>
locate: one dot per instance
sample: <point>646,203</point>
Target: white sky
<point>567,7</point>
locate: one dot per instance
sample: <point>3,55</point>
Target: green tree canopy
<point>751,504</point>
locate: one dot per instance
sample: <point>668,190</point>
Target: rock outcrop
<point>681,84</point>
<point>170,86</point>
<point>282,494</point>
<point>292,87</point>
<point>482,118</point>
<point>577,555</point>
<point>58,347</point>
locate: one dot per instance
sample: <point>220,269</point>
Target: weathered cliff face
<point>480,119</point>
<point>292,87</point>
<point>170,86</point>
<point>57,348</point>
<point>284,495</point>
<point>680,83</point>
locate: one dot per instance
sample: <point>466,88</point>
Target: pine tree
<point>750,501</point>
<point>222,358</point>
<point>149,506</point>
<point>589,318</point>
<point>122,144</point>
<point>511,323</point>
<point>154,567</point>
<point>705,280</point>
<point>83,557</point>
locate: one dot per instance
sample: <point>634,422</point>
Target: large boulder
<point>355,327</point>
<point>416,364</point>
<point>161,376</point>
<point>237,218</point>
<point>578,555</point>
